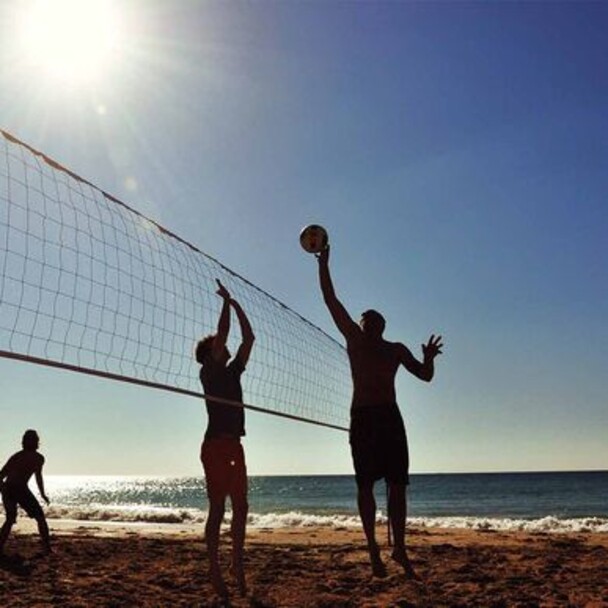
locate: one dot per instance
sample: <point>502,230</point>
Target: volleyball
<point>313,238</point>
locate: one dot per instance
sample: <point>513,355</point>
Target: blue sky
<point>456,153</point>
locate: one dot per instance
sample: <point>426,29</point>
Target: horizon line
<point>419,474</point>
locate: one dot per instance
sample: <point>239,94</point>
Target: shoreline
<point>142,564</point>
<point>301,521</point>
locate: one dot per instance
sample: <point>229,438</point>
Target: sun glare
<point>72,40</point>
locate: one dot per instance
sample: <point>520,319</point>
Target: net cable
<point>88,284</point>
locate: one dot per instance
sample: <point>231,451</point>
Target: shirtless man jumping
<point>377,433</point>
<point>15,492</point>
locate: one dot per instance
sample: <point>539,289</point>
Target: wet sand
<point>152,565</point>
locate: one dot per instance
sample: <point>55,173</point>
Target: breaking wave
<point>299,519</point>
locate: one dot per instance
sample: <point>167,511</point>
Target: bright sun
<point>72,40</point>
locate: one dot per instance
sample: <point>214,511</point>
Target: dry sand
<point>103,565</point>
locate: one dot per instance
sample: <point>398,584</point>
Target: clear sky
<point>457,154</point>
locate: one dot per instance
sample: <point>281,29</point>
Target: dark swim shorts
<point>14,495</point>
<point>379,444</point>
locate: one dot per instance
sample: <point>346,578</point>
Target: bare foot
<point>400,556</point>
<point>237,570</point>
<point>218,582</point>
<point>378,567</point>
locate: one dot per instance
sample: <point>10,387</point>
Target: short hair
<point>376,318</point>
<point>30,439</point>
<point>203,346</point>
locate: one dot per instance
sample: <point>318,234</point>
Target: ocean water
<point>543,502</point>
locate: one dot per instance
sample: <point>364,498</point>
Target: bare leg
<point>367,511</point>
<point>397,509</point>
<point>212,535</point>
<point>5,531</point>
<point>239,522</point>
<point>43,530</point>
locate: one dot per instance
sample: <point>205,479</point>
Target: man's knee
<point>365,487</point>
<point>240,505</point>
<point>217,504</point>
<point>40,519</point>
<point>365,495</point>
<point>396,492</point>
<point>10,519</point>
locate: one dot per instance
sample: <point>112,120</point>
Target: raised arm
<point>338,313</point>
<point>223,323</point>
<point>424,370</point>
<point>247,336</point>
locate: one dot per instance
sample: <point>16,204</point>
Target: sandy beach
<point>101,564</point>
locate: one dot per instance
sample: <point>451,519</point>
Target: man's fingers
<point>433,346</point>
<point>222,291</point>
<point>435,341</point>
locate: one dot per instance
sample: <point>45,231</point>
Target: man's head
<point>372,323</point>
<point>30,440</point>
<point>203,350</point>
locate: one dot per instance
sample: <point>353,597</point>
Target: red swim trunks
<point>224,464</point>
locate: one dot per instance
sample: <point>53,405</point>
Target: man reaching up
<point>377,433</point>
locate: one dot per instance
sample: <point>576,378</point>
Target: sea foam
<point>506,524</point>
<point>299,519</point>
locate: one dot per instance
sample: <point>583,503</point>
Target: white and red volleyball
<point>313,238</point>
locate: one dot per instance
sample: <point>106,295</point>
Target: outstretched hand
<point>432,348</point>
<point>222,291</point>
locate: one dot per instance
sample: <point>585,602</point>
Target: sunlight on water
<point>529,502</point>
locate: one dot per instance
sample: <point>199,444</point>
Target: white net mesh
<point>89,284</point>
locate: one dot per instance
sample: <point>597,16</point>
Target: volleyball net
<point>90,285</point>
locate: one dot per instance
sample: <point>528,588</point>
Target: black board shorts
<point>379,444</point>
<point>14,495</point>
